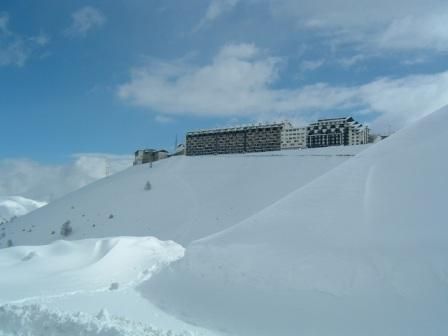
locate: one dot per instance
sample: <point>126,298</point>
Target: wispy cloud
<point>348,62</point>
<point>84,20</point>
<point>215,9</point>
<point>387,25</point>
<point>240,82</point>
<point>16,49</point>
<point>41,39</point>
<point>311,65</point>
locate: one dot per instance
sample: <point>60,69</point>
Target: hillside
<point>359,251</point>
<point>190,197</point>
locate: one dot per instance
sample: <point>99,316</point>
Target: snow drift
<point>360,251</point>
<point>86,266</point>
<point>36,320</point>
<point>190,197</point>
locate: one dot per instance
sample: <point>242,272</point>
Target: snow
<point>190,197</point>
<point>92,265</point>
<point>88,276</point>
<point>359,251</point>
<point>15,206</point>
<point>37,320</point>
<point>334,241</point>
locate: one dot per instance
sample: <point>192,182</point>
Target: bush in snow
<point>148,186</point>
<point>114,286</point>
<point>66,229</point>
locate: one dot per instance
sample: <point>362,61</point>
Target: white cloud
<point>4,20</point>
<point>384,24</point>
<point>215,9</point>
<point>240,82</point>
<point>31,179</point>
<point>84,20</point>
<point>348,62</point>
<point>309,65</point>
<point>14,53</point>
<point>234,83</point>
<point>423,31</point>
<point>14,48</point>
<point>41,39</point>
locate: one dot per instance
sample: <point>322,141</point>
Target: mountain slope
<point>359,251</point>
<point>190,197</point>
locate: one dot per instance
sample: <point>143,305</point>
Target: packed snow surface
<point>97,277</point>
<point>15,206</point>
<point>35,320</point>
<point>189,197</point>
<point>92,265</point>
<point>362,250</point>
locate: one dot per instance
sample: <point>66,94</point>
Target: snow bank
<point>68,268</point>
<point>360,251</point>
<point>15,206</point>
<point>191,197</point>
<point>35,320</point>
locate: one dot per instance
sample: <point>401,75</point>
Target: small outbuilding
<point>149,155</point>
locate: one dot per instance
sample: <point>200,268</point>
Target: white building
<point>336,132</point>
<point>293,137</point>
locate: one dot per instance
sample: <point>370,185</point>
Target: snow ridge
<point>35,320</point>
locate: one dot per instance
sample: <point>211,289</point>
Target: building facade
<point>149,155</point>
<point>293,137</point>
<point>336,132</point>
<point>245,139</point>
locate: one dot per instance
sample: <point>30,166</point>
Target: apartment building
<point>293,137</point>
<point>244,139</point>
<point>277,136</point>
<point>336,132</point>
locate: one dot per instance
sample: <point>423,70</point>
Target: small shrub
<point>53,232</point>
<point>66,229</point>
<point>148,186</point>
<point>114,286</point>
<point>29,256</point>
<point>111,216</point>
<point>9,243</point>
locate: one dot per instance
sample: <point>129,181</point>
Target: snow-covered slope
<point>190,197</point>
<point>15,206</point>
<point>360,251</point>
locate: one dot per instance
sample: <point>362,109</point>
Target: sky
<point>111,76</point>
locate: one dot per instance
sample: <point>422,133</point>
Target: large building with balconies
<point>293,137</point>
<point>244,139</point>
<point>277,136</point>
<point>336,132</point>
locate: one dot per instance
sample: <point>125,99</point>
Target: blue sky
<point>111,76</point>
